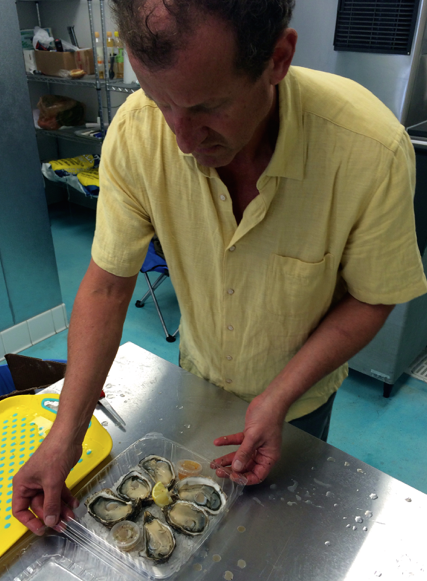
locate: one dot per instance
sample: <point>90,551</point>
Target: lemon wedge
<point>161,495</point>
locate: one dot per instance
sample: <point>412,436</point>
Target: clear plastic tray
<point>93,536</point>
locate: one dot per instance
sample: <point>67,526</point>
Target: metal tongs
<point>104,403</point>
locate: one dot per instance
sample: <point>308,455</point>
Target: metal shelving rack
<point>92,81</point>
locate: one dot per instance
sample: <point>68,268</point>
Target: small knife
<point>103,401</point>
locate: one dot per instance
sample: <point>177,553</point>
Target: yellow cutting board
<point>25,420</point>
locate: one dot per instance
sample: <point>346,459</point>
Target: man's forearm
<point>95,331</point>
<point>345,330</point>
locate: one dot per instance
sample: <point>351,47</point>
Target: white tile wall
<point>16,338</point>
<point>33,331</point>
<point>59,318</point>
<point>41,327</point>
<point>2,351</point>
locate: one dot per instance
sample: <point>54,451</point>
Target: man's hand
<point>260,443</point>
<point>40,486</point>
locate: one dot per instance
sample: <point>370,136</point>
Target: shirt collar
<point>288,157</point>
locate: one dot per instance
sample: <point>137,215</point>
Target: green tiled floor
<point>389,434</point>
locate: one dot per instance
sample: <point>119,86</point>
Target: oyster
<point>203,491</point>
<point>159,539</point>
<point>134,487</point>
<point>160,469</point>
<point>108,509</point>
<point>186,517</point>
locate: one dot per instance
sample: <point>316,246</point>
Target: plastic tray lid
<point>123,564</point>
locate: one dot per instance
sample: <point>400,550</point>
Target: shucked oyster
<point>204,491</point>
<point>186,517</point>
<point>108,509</point>
<point>160,469</point>
<point>135,487</point>
<point>159,539</point>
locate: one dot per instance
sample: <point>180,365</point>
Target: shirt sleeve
<point>123,225</point>
<point>381,263</point>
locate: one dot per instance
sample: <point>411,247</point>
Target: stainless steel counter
<point>321,514</point>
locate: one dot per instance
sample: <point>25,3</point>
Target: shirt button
<point>229,357</point>
<point>232,248</point>
<point>230,291</point>
<point>222,197</point>
<point>229,381</point>
<point>230,328</point>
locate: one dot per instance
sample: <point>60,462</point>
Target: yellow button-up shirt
<point>334,213</point>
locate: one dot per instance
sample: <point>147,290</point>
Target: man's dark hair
<point>257,25</point>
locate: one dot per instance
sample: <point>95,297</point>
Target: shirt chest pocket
<point>298,289</point>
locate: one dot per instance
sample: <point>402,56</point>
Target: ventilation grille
<point>382,26</point>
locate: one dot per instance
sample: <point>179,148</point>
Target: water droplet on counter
<point>346,463</point>
<point>373,496</point>
<point>368,513</point>
<point>122,395</point>
<point>282,498</point>
<point>291,503</point>
<point>365,529</point>
<point>328,543</point>
<point>273,486</point>
<point>313,468</point>
<point>347,526</point>
<point>329,494</point>
<point>330,459</point>
<point>228,575</point>
<point>197,567</point>
<point>110,396</point>
<point>293,487</point>
<point>377,574</point>
<point>344,518</point>
<point>216,558</point>
<point>104,424</point>
<point>241,529</point>
<point>160,419</point>
<point>297,497</point>
<point>360,471</point>
<point>308,502</point>
<point>181,432</point>
<point>180,408</point>
<point>359,519</point>
<point>408,499</point>
<point>241,563</point>
<point>355,528</point>
<point>335,504</point>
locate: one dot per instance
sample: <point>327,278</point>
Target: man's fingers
<point>232,440</point>
<point>52,505</point>
<point>223,460</point>
<point>68,498</point>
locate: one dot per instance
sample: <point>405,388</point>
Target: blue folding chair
<point>155,263</point>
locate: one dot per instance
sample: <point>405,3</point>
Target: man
<point>283,201</point>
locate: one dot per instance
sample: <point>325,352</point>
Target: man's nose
<point>189,132</point>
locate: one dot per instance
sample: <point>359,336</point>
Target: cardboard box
<point>84,60</point>
<point>51,62</point>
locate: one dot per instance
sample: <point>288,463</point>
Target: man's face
<point>213,111</point>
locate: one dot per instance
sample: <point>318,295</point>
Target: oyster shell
<point>160,469</point>
<point>134,487</point>
<point>186,517</point>
<point>109,509</point>
<point>203,491</point>
<point>159,539</point>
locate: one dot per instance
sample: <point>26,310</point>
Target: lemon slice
<point>161,495</point>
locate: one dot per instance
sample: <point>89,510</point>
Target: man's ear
<point>283,54</point>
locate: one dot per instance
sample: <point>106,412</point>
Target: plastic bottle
<point>118,47</point>
<point>99,55</point>
<point>110,54</point>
